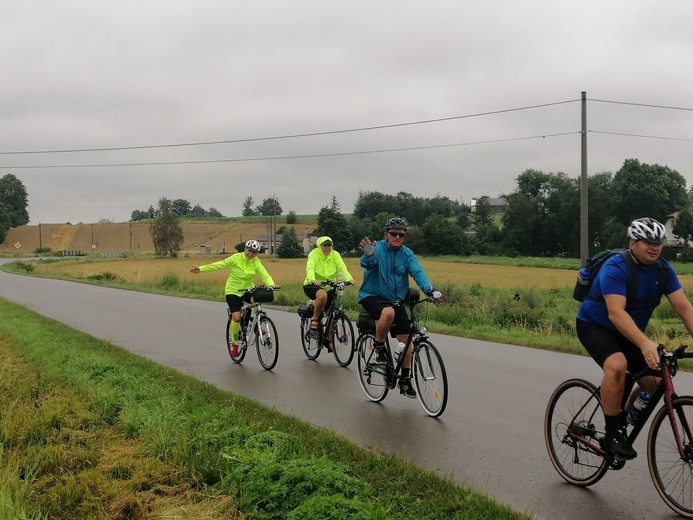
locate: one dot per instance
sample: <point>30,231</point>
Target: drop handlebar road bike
<point>427,369</point>
<point>256,328</point>
<point>574,434</point>
<point>336,333</point>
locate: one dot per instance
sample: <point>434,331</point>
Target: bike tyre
<point>241,350</point>
<point>311,344</point>
<point>430,379</point>
<point>671,474</point>
<point>266,342</point>
<point>372,379</point>
<point>565,408</point>
<point>342,339</point>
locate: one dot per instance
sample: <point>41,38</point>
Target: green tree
<point>138,215</point>
<point>291,217</point>
<point>14,196</point>
<point>289,246</point>
<point>333,224</point>
<point>543,215</point>
<point>483,210</point>
<point>647,190</point>
<point>166,231</point>
<point>442,236</point>
<point>180,207</point>
<point>248,210</point>
<point>214,212</point>
<point>5,222</point>
<point>197,211</point>
<point>269,207</point>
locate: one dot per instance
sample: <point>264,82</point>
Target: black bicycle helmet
<point>648,229</point>
<point>396,223</point>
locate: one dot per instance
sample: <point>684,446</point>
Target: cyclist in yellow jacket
<point>244,268</point>
<point>324,263</point>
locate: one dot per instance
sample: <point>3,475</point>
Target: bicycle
<point>336,333</point>
<point>574,434</point>
<point>256,328</point>
<point>428,369</point>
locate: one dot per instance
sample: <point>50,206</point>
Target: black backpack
<point>588,272</point>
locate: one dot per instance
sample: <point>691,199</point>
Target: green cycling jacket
<point>243,272</point>
<point>324,267</point>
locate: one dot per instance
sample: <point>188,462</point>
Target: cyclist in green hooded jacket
<point>324,263</point>
<point>244,268</point>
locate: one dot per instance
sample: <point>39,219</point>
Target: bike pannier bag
<point>365,322</point>
<point>306,311</point>
<point>263,295</point>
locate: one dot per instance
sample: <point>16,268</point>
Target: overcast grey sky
<point>81,75</point>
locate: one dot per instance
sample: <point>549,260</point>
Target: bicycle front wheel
<point>672,472</point>
<point>266,342</point>
<point>573,428</point>
<point>343,340</point>
<point>430,379</point>
<point>310,340</point>
<point>241,351</point>
<point>372,377</point>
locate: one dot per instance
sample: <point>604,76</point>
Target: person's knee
<point>616,367</point>
<point>387,315</point>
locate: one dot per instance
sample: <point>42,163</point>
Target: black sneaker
<point>406,388</point>
<point>618,445</point>
<point>380,356</point>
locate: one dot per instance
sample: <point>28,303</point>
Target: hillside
<point>134,237</point>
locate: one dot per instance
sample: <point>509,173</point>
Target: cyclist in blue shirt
<point>612,327</point>
<point>387,265</point>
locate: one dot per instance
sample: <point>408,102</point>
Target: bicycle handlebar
<point>257,287</point>
<point>666,358</point>
<point>336,285</point>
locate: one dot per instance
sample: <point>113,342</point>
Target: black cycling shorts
<point>374,306</point>
<point>311,290</point>
<point>601,343</point>
<point>235,302</point>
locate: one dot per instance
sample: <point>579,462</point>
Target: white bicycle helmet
<point>253,245</point>
<point>647,229</point>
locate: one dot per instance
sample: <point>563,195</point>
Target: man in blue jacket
<point>387,265</point>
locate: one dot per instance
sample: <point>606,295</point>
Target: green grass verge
<point>69,400</point>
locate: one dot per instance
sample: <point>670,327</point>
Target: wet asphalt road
<point>490,436</point>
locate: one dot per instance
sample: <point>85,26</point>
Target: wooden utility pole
<point>584,229</point>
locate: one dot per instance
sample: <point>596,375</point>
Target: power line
<point>284,157</point>
<point>290,136</point>
<point>640,104</point>
<point>640,135</point>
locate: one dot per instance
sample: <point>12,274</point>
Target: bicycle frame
<point>417,334</point>
<point>665,389</point>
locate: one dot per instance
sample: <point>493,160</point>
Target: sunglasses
<point>396,235</point>
<point>326,244</point>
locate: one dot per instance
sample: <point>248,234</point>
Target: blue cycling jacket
<point>386,273</point>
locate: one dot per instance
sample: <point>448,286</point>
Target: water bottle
<point>398,351</point>
<point>638,406</point>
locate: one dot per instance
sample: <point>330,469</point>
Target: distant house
<point>496,205</point>
<point>673,240</point>
<point>307,242</point>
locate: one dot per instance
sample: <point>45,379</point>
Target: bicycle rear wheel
<point>430,379</point>
<point>672,473</point>
<point>266,342</point>
<point>371,377</point>
<point>241,349</point>
<point>343,340</point>
<point>310,340</point>
<point>573,427</point>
